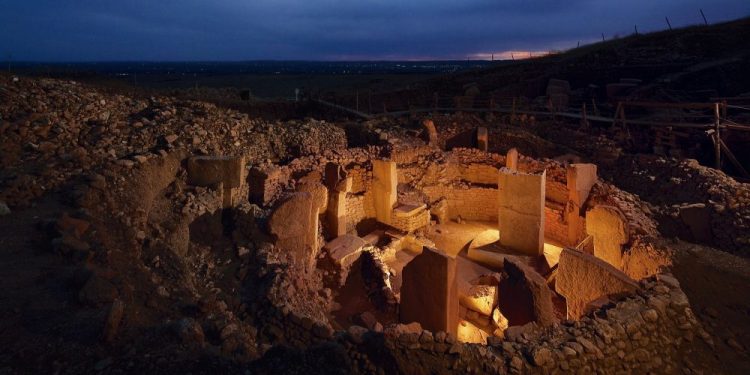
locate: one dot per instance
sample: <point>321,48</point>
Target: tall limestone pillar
<point>385,181</point>
<point>521,211</point>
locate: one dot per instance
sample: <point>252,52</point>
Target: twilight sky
<point>171,30</point>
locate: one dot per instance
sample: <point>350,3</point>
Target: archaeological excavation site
<point>583,212</point>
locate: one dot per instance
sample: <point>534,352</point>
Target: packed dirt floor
<point>113,261</point>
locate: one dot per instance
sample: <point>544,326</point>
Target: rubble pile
<point>219,229</point>
<point>51,131</point>
<point>673,186</point>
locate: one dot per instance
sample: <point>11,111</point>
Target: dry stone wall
<point>651,332</point>
<point>473,203</point>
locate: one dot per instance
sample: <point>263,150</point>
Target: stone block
<point>385,181</point>
<point>211,170</point>
<point>345,249</point>
<point>511,160</point>
<point>583,278</point>
<point>264,184</point>
<point>521,211</point>
<point>294,224</point>
<point>479,298</point>
<point>470,333</point>
<point>336,214</point>
<point>580,179</point>
<point>429,292</point>
<point>610,231</point>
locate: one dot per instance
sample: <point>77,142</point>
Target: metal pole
<point>668,24</point>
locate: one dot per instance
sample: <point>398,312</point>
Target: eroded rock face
<point>429,293</point>
<point>583,278</point>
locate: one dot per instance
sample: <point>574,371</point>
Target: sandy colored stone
<point>429,292</point>
<point>479,298</point>
<point>583,278</point>
<point>469,333</point>
<point>211,170</point>
<point>608,227</point>
<point>385,180</point>
<point>294,224</point>
<point>521,211</point>
<point>345,249</point>
<point>511,160</point>
<point>580,179</point>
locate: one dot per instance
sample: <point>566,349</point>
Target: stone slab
<point>429,292</point>
<point>211,170</point>
<point>345,249</point>
<point>583,278</point>
<point>521,211</point>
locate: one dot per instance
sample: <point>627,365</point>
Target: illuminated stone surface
<point>608,227</point>
<point>583,278</point>
<point>521,211</point>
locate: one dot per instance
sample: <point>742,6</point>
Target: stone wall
<point>653,332</point>
<point>556,192</point>
<point>470,203</point>
<point>358,207</point>
<point>555,228</point>
<point>478,174</point>
<point>361,179</point>
<point>409,223</point>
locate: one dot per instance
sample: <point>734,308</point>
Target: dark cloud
<point>67,30</point>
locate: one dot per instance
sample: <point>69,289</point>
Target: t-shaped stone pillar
<point>521,211</point>
<point>580,179</point>
<point>385,181</point>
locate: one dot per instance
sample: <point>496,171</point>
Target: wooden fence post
<point>717,135</point>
